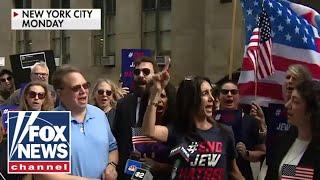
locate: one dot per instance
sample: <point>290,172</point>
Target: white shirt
<point>294,154</point>
<point>263,171</point>
<point>138,109</point>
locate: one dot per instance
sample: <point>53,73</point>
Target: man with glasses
<point>130,109</point>
<point>250,147</point>
<point>39,72</point>
<point>7,86</point>
<point>94,149</point>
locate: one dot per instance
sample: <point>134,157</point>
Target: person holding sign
<point>250,147</point>
<point>298,152</point>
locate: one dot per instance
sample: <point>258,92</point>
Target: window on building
<point>23,41</point>
<point>60,39</point>
<point>103,40</point>
<point>156,28</point>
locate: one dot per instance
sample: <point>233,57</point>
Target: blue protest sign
<point>277,124</point>
<point>4,111</point>
<point>231,118</point>
<point>128,57</point>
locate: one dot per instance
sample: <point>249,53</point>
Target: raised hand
<point>257,113</point>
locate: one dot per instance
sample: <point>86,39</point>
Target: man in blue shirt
<point>94,152</point>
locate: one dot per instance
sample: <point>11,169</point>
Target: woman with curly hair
<point>36,97</point>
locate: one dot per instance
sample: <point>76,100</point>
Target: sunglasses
<point>145,71</point>
<point>6,79</point>
<point>232,91</point>
<point>77,88</point>
<point>101,92</point>
<point>33,94</point>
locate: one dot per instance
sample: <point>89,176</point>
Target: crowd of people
<point>111,125</point>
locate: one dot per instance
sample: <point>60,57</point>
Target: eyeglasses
<point>101,92</point>
<point>41,74</point>
<point>232,91</point>
<point>6,79</point>
<point>145,71</point>
<point>77,88</point>
<point>33,94</point>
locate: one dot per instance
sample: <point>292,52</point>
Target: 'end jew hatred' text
<point>36,17</point>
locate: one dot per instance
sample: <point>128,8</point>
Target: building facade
<point>196,34</point>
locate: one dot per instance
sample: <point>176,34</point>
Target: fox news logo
<point>39,142</point>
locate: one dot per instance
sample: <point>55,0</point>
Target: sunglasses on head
<point>77,88</point>
<point>145,71</point>
<point>232,91</point>
<point>101,92</point>
<point>6,79</point>
<point>33,94</point>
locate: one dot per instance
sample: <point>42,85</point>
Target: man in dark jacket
<point>130,110</point>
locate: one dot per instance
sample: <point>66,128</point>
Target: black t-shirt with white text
<point>210,155</point>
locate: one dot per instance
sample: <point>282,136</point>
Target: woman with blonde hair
<point>105,95</point>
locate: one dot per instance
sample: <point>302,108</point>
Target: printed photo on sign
<point>28,60</point>
<point>39,142</point>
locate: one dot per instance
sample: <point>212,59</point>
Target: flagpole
<point>256,68</point>
<point>234,4</point>
<point>255,83</point>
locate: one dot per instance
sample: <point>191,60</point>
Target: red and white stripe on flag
<point>295,40</point>
<point>291,172</point>
<point>259,48</point>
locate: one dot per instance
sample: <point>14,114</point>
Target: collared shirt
<point>91,142</point>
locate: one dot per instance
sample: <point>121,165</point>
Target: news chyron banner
<point>55,19</point>
<point>39,142</point>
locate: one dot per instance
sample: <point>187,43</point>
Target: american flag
<point>290,172</point>
<point>139,138</point>
<point>295,40</point>
<point>259,48</point>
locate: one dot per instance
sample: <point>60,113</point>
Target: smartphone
<point>167,61</point>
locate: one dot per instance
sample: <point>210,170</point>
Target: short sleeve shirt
<point>210,157</point>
